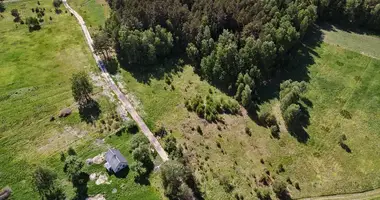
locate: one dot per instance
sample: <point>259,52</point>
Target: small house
<point>115,161</point>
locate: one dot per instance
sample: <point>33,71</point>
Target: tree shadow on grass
<point>143,179</point>
<point>81,189</point>
<point>144,74</point>
<point>297,129</point>
<point>112,65</point>
<point>90,111</point>
<point>297,68</point>
<point>122,173</point>
<point>298,62</point>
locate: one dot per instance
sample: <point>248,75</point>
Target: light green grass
<point>354,41</point>
<point>94,12</point>
<point>35,72</point>
<point>339,79</point>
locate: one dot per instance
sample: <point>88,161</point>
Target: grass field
<point>94,12</point>
<point>338,80</point>
<point>35,72</point>
<point>360,42</point>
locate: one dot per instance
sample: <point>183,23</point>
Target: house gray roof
<point>114,158</point>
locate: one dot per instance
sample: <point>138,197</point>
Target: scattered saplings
<point>210,108</point>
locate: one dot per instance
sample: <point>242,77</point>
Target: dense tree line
<point>237,45</point>
<point>362,13</point>
<point>234,44</point>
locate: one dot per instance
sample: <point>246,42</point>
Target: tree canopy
<point>81,88</point>
<point>237,45</point>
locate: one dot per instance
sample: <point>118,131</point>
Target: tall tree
<point>44,181</point>
<point>81,88</point>
<point>73,166</point>
<point>102,44</point>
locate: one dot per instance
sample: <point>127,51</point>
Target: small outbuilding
<point>115,161</point>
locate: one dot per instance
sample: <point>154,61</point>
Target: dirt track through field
<point>121,97</point>
<point>373,194</point>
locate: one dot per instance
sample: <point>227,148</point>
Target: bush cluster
<point>210,108</point>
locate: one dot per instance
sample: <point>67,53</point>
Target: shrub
<point>263,193</point>
<point>137,140</point>
<point>227,186</point>
<point>167,79</point>
<point>346,114</point>
<point>161,132</point>
<point>71,152</point>
<point>57,3</point>
<point>266,117</point>
<point>248,131</point>
<point>199,130</point>
<point>281,190</point>
<point>218,144</point>
<point>275,131</point>
<point>297,186</point>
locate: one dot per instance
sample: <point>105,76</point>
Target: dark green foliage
<point>71,152</point>
<point>161,132</point>
<point>174,150</point>
<point>15,13</point>
<point>289,98</point>
<point>57,3</point>
<point>210,108</point>
<point>141,154</point>
<point>81,88</point>
<point>145,47</point>
<point>343,144</point>
<point>290,93</point>
<point>137,140</point>
<point>45,183</point>
<point>199,130</point>
<point>175,177</point>
<point>248,131</point>
<point>266,117</point>
<point>221,38</point>
<point>62,156</point>
<point>275,131</point>
<point>297,186</point>
<point>292,114</point>
<point>102,44</point>
<point>2,7</point>
<point>72,168</point>
<point>356,13</point>
<point>281,190</point>
<point>263,193</point>
<point>33,23</point>
<point>227,186</point>
<point>346,114</point>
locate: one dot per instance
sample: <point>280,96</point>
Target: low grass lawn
<point>35,72</point>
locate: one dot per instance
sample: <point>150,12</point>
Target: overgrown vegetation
<point>211,107</point>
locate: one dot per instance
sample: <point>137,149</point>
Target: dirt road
<point>370,195</point>
<point>124,101</point>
